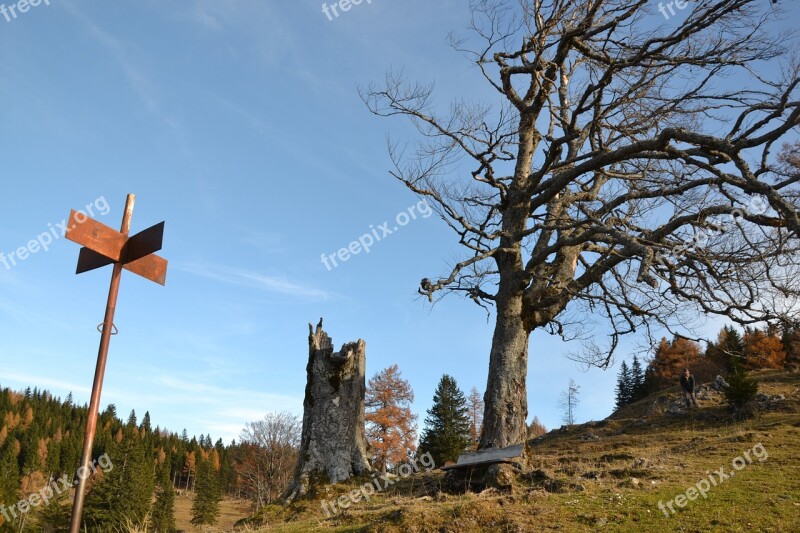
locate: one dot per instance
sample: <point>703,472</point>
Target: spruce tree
<point>791,343</point>
<point>446,433</point>
<point>162,519</point>
<point>623,392</point>
<point>637,380</point>
<point>146,427</point>
<point>56,513</point>
<point>205,508</point>
<point>9,473</point>
<point>126,491</point>
<point>132,419</point>
<point>741,389</point>
<point>730,348</point>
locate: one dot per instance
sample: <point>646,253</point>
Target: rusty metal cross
<point>103,246</point>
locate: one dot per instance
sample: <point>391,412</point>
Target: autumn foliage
<point>391,426</point>
<point>755,349</point>
<point>669,360</point>
<point>762,349</point>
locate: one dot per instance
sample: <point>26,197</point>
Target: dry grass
<point>230,512</point>
<point>607,475</point>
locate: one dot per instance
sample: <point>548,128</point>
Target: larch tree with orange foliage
<point>670,359</point>
<point>190,467</point>
<point>762,349</point>
<point>536,429</point>
<point>391,426</point>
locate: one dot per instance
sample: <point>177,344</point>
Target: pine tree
<point>741,389</point>
<point>637,379</point>
<point>791,345</point>
<point>447,426</point>
<point>131,419</point>
<point>45,435</point>
<point>623,392</point>
<point>56,513</point>
<point>9,474</point>
<point>110,413</point>
<point>391,426</point>
<point>205,509</point>
<point>162,518</point>
<point>146,427</point>
<point>729,349</point>
<point>126,491</point>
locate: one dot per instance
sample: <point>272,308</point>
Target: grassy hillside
<point>610,475</point>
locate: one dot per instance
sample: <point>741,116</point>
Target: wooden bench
<point>509,454</point>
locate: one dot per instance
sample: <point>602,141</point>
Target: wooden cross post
<point>102,246</point>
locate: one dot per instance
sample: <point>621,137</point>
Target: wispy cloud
<point>229,399</point>
<point>137,77</point>
<point>256,280</point>
<point>199,14</point>
<point>265,241</point>
<point>140,83</point>
<point>27,380</point>
<point>225,410</point>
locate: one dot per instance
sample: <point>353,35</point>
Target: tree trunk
<point>793,352</point>
<point>333,445</point>
<point>506,400</point>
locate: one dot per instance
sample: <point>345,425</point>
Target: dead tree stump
<point>333,445</point>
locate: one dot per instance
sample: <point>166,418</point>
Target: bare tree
<point>624,172</point>
<point>475,406</point>
<point>569,402</point>
<point>269,450</point>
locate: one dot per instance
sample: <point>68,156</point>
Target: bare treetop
<point>628,167</point>
<point>618,138</point>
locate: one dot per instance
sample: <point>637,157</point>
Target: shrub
<point>741,389</point>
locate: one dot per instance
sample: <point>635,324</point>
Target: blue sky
<point>239,123</point>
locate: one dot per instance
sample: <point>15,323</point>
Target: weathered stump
<point>333,445</point>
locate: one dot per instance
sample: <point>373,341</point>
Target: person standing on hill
<point>687,386</point>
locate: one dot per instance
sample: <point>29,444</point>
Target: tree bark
<point>506,399</point>
<point>333,443</point>
<point>793,352</point>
